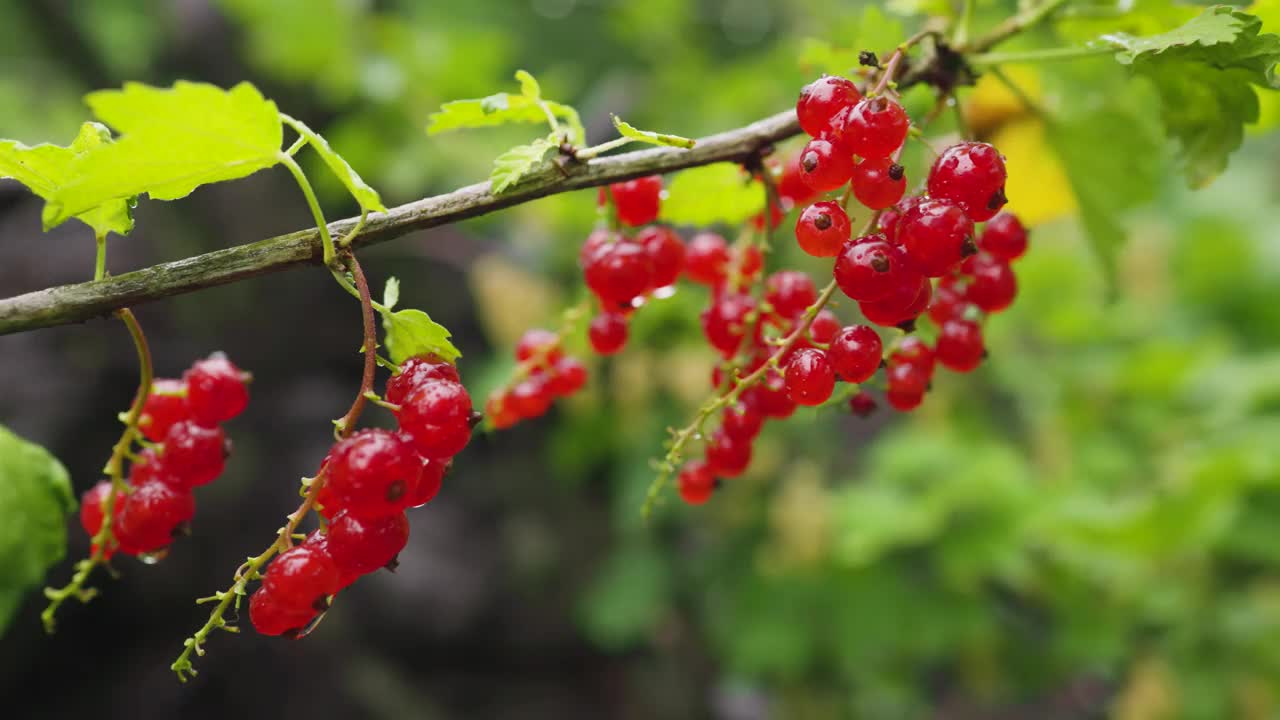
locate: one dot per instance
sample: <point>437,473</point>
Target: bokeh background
<point>1086,527</point>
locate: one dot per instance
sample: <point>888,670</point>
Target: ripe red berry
<point>195,455</point>
<point>706,259</point>
<point>500,412</point>
<point>810,378</point>
<point>361,545</point>
<point>821,100</point>
<point>742,421</point>
<point>749,260</point>
<point>430,482</point>
<point>302,578</point>
<point>532,396</point>
<point>150,516</point>
<point>902,305</point>
<point>878,182</point>
<point>166,404</point>
<point>727,456</point>
<point>437,415</point>
<point>903,400</point>
<point>567,377</point>
<point>618,273</point>
<point>824,327</point>
<point>792,190</point>
<point>537,341</point>
<point>638,200</point>
<point>725,322</point>
<point>372,473</point>
<point>892,217</point>
<point>272,618</point>
<point>911,350</point>
<point>1004,237</point>
<point>855,353</point>
<point>824,165</point>
<point>319,541</point>
<point>695,482</point>
<point>607,333</point>
<point>948,301</point>
<point>150,468</point>
<point>875,127</point>
<point>937,235</point>
<point>598,240</point>
<point>960,345</point>
<point>870,269</point>
<point>862,404</point>
<point>908,378</point>
<point>790,292</point>
<point>666,254</point>
<point>822,229</point>
<point>770,397</point>
<point>216,390</point>
<point>992,284</point>
<point>417,370</point>
<point>93,510</point>
<point>972,175</point>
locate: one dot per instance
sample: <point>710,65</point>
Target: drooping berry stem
<point>348,421</point>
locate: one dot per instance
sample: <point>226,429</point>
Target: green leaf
<point>505,108</point>
<point>46,168</point>
<point>173,140</point>
<point>652,138</point>
<point>529,86</point>
<point>874,31</point>
<point>720,193</point>
<point>515,163</point>
<point>413,332</point>
<point>1203,72</point>
<point>35,497</point>
<point>364,194</point>
<point>391,293</point>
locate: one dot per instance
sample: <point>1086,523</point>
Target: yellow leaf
<point>1038,188</point>
<point>992,104</point>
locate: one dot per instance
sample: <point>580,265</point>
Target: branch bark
<point>77,303</point>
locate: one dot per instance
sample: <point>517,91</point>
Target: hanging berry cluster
<point>182,420</point>
<point>366,483</point>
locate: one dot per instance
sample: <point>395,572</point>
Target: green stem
<point>297,145</point>
<point>1013,26</point>
<point>100,262</point>
<point>345,242</point>
<point>314,204</point>
<point>963,27</point>
<point>1031,105</point>
<point>1034,56</point>
<point>597,150</point>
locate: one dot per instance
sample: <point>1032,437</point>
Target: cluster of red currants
<point>545,373</point>
<point>365,484</point>
<point>182,420</point>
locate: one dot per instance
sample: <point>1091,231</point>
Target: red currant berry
<point>437,415</point>
<point>875,127</point>
<point>897,309</point>
<point>948,301</point>
<point>93,510</point>
<point>302,578</point>
<point>666,253</point>
<point>618,273</point>
<point>166,404</point>
<point>824,327</point>
<point>360,546</point>
<point>638,200</point>
<point>871,269</point>
<point>429,484</point>
<point>890,219</point>
<point>319,542</point>
<point>742,421</point>
<point>908,378</point>
<point>195,455</point>
<point>862,404</point>
<point>770,397</point>
<point>598,240</point>
<point>150,516</point>
<point>792,190</point>
<point>417,370</point>
<point>904,401</point>
<point>270,617</point>
<point>992,284</point>
<point>822,229</point>
<point>972,175</point>
<point>913,351</point>
<point>373,473</point>
<point>540,342</point>
<point>216,390</point>
<point>500,411</point>
<point>725,322</point>
<point>822,100</point>
<point>750,261</point>
<point>878,182</point>
<point>960,345</point>
<point>706,259</point>
<point>150,468</point>
<point>937,235</point>
<point>1004,237</point>
<point>810,378</point>
<point>790,292</point>
<point>531,397</point>
<point>567,377</point>
<point>855,353</point>
<point>727,456</point>
<point>824,165</point>
<point>695,482</point>
<point>607,332</point>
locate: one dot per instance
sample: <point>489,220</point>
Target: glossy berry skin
<point>373,473</point>
<point>897,308</point>
<point>414,372</point>
<point>567,377</point>
<point>823,228</point>
<point>607,333</point>
<point>890,219</point>
<point>598,240</point>
<point>937,235</point>
<point>430,482</point>
<point>871,269</point>
<point>725,322</point>
<point>972,175</point>
<point>1004,237</point>
<point>499,411</point>
<point>637,201</point>
<point>875,128</point>
<point>93,510</point>
<point>194,455</point>
<point>360,546</point>
<point>855,353</point>
<point>727,456</point>
<point>695,482</point>
<point>821,100</point>
<point>960,346</point>
<point>537,341</point>
<point>908,378</point>
<point>618,273</point>
<point>666,254</point>
<point>862,404</point>
<point>216,390</point>
<point>741,421</point>
<point>271,618</point>
<point>706,259</point>
<point>302,578</point>
<point>531,397</point>
<point>878,183</point>
<point>914,351</point>
<point>149,467</point>
<point>810,378</point>
<point>903,400</point>
<point>824,165</point>
<point>791,188</point>
<point>749,260</point>
<point>770,397</point>
<point>824,327</point>
<point>790,292</point>
<point>150,516</point>
<point>992,284</point>
<point>437,417</point>
<point>948,302</point>
<point>165,405</point>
